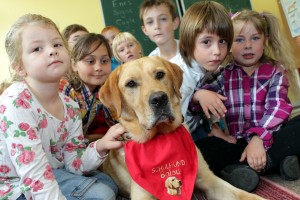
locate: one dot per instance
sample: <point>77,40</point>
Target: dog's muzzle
<point>159,103</point>
<point>158,100</point>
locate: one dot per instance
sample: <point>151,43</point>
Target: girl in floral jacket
<point>42,149</point>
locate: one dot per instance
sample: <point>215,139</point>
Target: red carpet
<point>266,189</point>
<point>273,191</point>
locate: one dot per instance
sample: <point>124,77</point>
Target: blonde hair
<point>205,15</point>
<point>277,49</point>
<point>147,4</point>
<point>123,37</point>
<point>4,86</point>
<point>13,38</point>
<point>81,49</point>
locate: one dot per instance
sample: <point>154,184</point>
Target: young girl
<point>256,87</point>
<point>91,65</point>
<point>43,154</point>
<point>126,47</point>
<point>205,38</point>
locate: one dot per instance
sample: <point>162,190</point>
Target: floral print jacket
<point>32,142</point>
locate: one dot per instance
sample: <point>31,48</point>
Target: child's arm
<point>255,154</point>
<point>109,140</point>
<point>277,109</point>
<point>78,157</point>
<point>208,96</point>
<point>210,101</point>
<point>27,156</point>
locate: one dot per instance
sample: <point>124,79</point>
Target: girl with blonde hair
<point>126,47</point>
<point>43,152</point>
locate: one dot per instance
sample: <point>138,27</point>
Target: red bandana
<point>165,166</point>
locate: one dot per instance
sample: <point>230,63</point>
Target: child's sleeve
<point>79,158</point>
<point>20,126</point>
<point>214,83</point>
<point>277,110</point>
<point>66,88</point>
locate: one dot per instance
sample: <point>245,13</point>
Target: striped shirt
<point>96,118</point>
<point>256,104</point>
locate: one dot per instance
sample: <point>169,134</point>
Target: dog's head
<point>173,183</point>
<point>143,95</point>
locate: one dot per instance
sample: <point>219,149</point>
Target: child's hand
<point>255,154</point>
<point>217,132</point>
<point>109,140</point>
<point>210,101</point>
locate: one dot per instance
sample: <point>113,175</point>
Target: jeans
<point>95,186</point>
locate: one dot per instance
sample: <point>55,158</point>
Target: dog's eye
<point>160,75</point>
<point>131,84</point>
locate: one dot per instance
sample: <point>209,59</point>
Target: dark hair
<point>81,49</point>
<point>69,30</point>
<point>205,15</point>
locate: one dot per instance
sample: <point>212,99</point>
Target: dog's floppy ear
<point>110,94</point>
<point>168,184</point>
<point>176,77</point>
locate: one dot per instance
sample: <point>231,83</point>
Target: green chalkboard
<point>232,5</point>
<point>124,14</point>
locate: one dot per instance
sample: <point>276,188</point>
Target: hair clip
<point>235,15</point>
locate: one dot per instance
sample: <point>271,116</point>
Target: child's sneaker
<point>289,168</point>
<point>241,176</point>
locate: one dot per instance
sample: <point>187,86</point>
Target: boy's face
<point>210,50</point>
<point>159,25</point>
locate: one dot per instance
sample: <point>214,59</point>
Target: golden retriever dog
<point>173,185</point>
<point>144,96</point>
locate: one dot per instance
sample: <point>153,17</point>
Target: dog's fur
<point>143,95</point>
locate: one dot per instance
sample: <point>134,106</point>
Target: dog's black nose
<point>158,99</point>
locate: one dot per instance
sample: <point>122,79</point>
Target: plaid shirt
<point>256,104</point>
<point>88,102</point>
